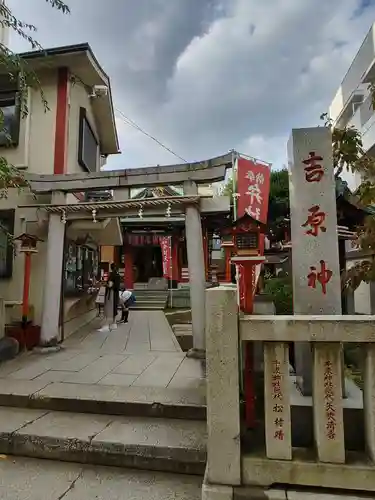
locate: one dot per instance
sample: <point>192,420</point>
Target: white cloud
<point>206,76</point>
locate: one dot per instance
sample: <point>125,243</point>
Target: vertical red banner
<point>253,189</point>
<point>166,250</point>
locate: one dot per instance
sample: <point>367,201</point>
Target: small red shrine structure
<point>28,246</point>
<point>244,247</point>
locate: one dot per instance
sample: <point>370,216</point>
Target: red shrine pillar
<point>128,267</point>
<point>176,268</point>
<point>228,265</point>
<point>205,250</point>
<point>262,240</point>
<point>247,285</point>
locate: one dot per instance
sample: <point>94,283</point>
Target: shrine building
<point>140,259</point>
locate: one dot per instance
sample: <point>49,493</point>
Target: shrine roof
<point>275,259</point>
<point>343,192</point>
<point>247,218</point>
<point>155,192</point>
<point>152,223</point>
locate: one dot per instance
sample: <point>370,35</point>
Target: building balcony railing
<point>362,69</point>
<point>364,121</point>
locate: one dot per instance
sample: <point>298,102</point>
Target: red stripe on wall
<point>61,121</point>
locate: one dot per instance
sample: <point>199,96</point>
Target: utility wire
<point>133,124</point>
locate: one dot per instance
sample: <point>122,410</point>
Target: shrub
<point>281,290</point>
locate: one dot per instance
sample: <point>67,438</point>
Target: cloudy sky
<point>206,76</point>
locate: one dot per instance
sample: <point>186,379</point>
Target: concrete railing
<point>341,451</point>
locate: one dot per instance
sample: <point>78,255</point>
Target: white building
<point>74,135</point>
<point>352,106</point>
<point>352,102</point>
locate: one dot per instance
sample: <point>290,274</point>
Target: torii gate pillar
<point>197,273</point>
<point>50,332</point>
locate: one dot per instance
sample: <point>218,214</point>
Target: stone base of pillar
<point>49,344</point>
<point>196,353</point>
<point>47,349</point>
<point>217,492</point>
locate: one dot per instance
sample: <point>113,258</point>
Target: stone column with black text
<point>315,258</point>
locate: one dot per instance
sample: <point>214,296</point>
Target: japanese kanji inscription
<point>253,182</point>
<point>314,170</point>
<point>315,221</point>
<point>315,260</point>
<point>330,410</point>
<point>255,194</point>
<point>277,395</point>
<point>322,277</point>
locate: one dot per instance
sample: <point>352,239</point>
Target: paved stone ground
<point>142,354</point>
<point>27,479</point>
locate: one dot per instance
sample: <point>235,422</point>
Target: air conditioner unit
<point>99,91</point>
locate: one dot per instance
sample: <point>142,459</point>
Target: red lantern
<point>28,243</point>
<point>28,246</point>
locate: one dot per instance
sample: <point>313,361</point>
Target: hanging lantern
<point>94,215</point>
<point>168,211</point>
<point>63,217</point>
<point>28,243</point>
<point>140,213</point>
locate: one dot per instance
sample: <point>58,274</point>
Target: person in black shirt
<point>111,298</point>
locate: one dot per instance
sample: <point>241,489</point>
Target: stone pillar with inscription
<point>315,257</point>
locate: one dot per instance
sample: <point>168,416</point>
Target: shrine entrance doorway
<point>148,263</point>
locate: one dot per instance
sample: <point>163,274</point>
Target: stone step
<point>148,306</point>
<point>140,443</point>
<point>154,402</point>
<point>150,298</point>
<point>163,296</point>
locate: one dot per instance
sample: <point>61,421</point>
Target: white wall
<point>43,126</point>
<point>362,295</point>
<point>37,130</point>
<point>35,153</point>
<point>11,289</point>
<point>78,97</point>
<point>336,105</point>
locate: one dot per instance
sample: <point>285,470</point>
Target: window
<point>10,106</point>
<point>216,242</point>
<point>6,247</point>
<point>87,145</point>
<point>248,240</point>
<point>81,268</point>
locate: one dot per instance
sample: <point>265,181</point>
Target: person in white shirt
<point>126,299</point>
